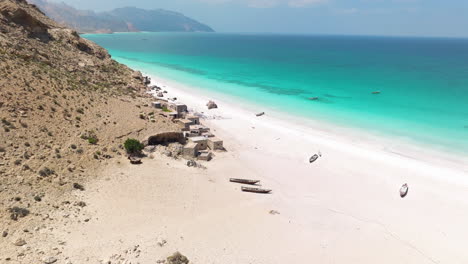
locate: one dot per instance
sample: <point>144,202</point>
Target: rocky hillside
<point>65,109</point>
<point>128,19</point>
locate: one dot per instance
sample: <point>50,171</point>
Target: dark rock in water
<point>376,92</point>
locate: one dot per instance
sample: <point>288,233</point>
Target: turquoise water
<point>423,81</point>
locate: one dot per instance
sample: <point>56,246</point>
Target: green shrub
<point>46,172</point>
<point>165,109</point>
<point>133,146</point>
<point>93,140</point>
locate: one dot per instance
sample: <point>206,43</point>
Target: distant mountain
<point>127,19</point>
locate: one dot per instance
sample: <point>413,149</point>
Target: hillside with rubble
<point>65,108</point>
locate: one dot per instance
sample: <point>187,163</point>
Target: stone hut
<point>190,150</point>
<point>194,119</point>
<point>201,141</point>
<point>185,123</point>
<point>215,143</point>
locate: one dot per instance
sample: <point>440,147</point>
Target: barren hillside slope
<point>57,90</point>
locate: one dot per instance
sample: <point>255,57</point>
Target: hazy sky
<point>362,17</point>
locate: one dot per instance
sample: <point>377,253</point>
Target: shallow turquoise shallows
<point>423,82</point>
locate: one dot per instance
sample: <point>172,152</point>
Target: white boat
<point>404,190</point>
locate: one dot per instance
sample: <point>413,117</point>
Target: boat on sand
<point>313,158</point>
<point>260,114</point>
<point>404,190</point>
<point>255,190</point>
<point>244,181</point>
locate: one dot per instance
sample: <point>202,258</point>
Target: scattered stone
<point>80,204</point>
<point>37,198</point>
<point>191,163</point>
<point>78,186</point>
<point>5,233</point>
<point>274,212</point>
<point>161,242</point>
<point>50,260</point>
<point>20,242</point>
<point>18,212</point>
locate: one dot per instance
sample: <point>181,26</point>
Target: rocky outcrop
<point>14,13</point>
<point>165,138</point>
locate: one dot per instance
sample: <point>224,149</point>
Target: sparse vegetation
<point>177,258</point>
<point>46,172</point>
<point>18,212</point>
<point>78,186</point>
<point>133,146</point>
<point>92,140</point>
<point>165,109</point>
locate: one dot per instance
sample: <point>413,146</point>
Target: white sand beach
<point>343,208</point>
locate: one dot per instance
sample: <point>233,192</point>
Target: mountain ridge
<point>125,19</point>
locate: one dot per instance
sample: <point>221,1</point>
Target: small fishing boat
<point>313,158</point>
<point>404,190</point>
<point>255,190</point>
<point>260,114</point>
<point>134,160</point>
<point>244,181</point>
<point>376,92</point>
<point>313,98</point>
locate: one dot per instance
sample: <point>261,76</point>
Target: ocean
<point>413,89</point>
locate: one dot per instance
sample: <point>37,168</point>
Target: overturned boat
<point>313,158</point>
<point>244,181</point>
<point>255,190</point>
<point>404,190</point>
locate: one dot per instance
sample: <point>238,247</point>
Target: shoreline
<point>343,208</point>
<point>352,140</point>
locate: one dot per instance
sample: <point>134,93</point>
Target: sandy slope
<point>345,208</point>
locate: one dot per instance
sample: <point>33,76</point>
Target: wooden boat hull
<point>313,158</point>
<point>244,181</point>
<point>255,190</point>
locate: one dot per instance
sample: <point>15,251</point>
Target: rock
<point>5,233</point>
<point>161,242</point>
<point>50,260</point>
<point>177,258</point>
<point>20,242</point>
<point>191,163</point>
<point>78,186</point>
<point>211,105</point>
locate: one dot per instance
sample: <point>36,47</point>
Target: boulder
<point>211,105</point>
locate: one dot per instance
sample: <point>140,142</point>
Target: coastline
<point>343,208</point>
<point>349,140</point>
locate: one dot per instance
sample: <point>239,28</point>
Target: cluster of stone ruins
<point>198,140</point>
